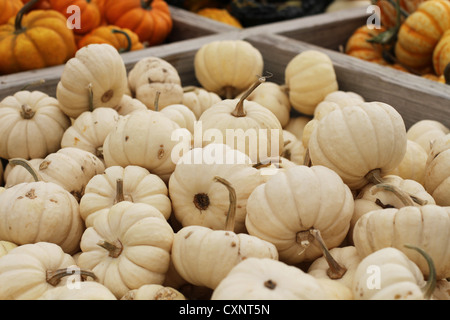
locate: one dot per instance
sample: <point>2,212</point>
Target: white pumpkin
<point>132,183</point>
<point>437,170</point>
<point>153,292</point>
<point>426,227</point>
<point>424,132</point>
<point>96,77</point>
<point>293,203</point>
<point>198,99</point>
<point>129,104</point>
<point>227,67</point>
<point>359,141</point>
<point>309,77</point>
<point>142,138</point>
<point>296,125</point>
<point>198,200</point>
<point>128,246</point>
<point>6,246</point>
<point>28,271</point>
<point>82,290</point>
<point>388,274</point>
<point>31,125</point>
<point>15,174</point>
<point>151,75</point>
<point>268,279</point>
<point>88,132</point>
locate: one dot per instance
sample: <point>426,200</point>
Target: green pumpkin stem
<point>428,289</point>
<point>390,35</point>
<point>54,277</point>
<point>26,164</point>
<point>231,216</point>
<point>129,43</point>
<point>239,110</point>
<point>146,4</point>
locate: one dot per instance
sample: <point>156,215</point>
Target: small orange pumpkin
<point>441,54</point>
<point>388,12</point>
<point>90,15</point>
<point>220,15</point>
<point>358,45</point>
<point>8,9</point>
<point>41,4</point>
<point>35,40</point>
<point>120,38</point>
<point>420,33</point>
<point>151,20</point>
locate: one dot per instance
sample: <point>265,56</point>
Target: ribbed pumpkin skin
<point>441,54</point>
<point>8,9</point>
<point>421,32</point>
<point>90,15</point>
<point>152,24</point>
<point>221,15</point>
<point>358,46</point>
<point>106,34</point>
<point>44,41</point>
<point>389,14</point>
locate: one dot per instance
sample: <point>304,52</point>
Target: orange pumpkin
<point>151,20</point>
<point>8,9</point>
<point>358,46</point>
<point>90,15</point>
<point>221,15</point>
<point>41,4</point>
<point>120,38</point>
<point>441,54</point>
<point>420,33</point>
<point>34,40</point>
<point>389,13</point>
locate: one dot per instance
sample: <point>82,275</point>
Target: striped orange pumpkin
<point>358,46</point>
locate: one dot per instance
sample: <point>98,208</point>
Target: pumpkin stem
<point>304,238</point>
<point>18,20</point>
<point>26,164</point>
<point>428,289</point>
<point>335,270</point>
<point>114,251</point>
<point>307,159</point>
<point>146,4</point>
<point>119,191</point>
<point>239,110</point>
<point>403,196</point>
<point>91,97</point>
<point>390,35</point>
<point>54,277</point>
<point>129,43</point>
<point>156,103</point>
<point>229,223</point>
<point>27,112</point>
<point>189,88</point>
<point>229,92</point>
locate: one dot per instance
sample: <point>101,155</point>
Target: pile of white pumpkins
<point>95,207</point>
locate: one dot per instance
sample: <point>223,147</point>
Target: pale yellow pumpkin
<point>82,290</point>
<point>198,200</point>
<point>296,125</point>
<point>424,132</point>
<point>28,271</point>
<point>357,141</point>
<point>153,292</point>
<point>437,171</point>
<point>96,77</point>
<point>151,75</point>
<point>40,211</point>
<point>274,97</point>
<point>88,132</point>
<point>244,125</point>
<point>128,105</point>
<point>6,246</point>
<point>309,77</point>
<point>269,279</point>
<point>388,274</point>
<point>413,165</point>
<point>31,125</point>
<point>198,99</point>
<point>227,67</point>
<point>426,227</point>
<point>294,203</point>
<point>182,115</point>
<point>132,183</point>
<point>15,174</point>
<point>143,138</point>
<point>128,246</point>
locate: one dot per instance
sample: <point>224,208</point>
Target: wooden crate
<point>415,98</point>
